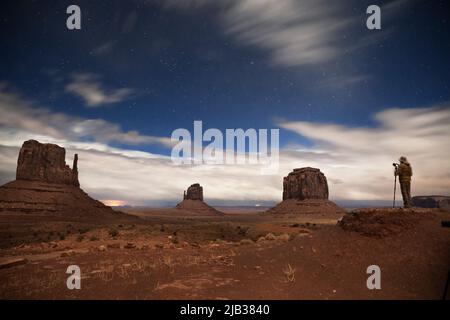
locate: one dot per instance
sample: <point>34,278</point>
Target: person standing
<point>404,173</point>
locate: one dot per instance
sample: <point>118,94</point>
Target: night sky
<point>149,67</point>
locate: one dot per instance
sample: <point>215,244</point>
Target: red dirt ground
<point>239,256</point>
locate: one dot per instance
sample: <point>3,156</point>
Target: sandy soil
<point>165,255</point>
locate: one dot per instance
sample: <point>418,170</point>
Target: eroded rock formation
<point>305,183</point>
<point>46,185</point>
<point>45,163</point>
<point>194,192</point>
<point>305,191</point>
<point>193,203</point>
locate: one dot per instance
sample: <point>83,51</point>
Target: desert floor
<point>241,255</point>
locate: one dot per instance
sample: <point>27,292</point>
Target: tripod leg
<point>395,189</point>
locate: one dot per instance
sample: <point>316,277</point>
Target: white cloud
<point>88,87</point>
<point>361,158</point>
<point>294,32</point>
<point>20,115</point>
<point>356,161</point>
<point>105,48</point>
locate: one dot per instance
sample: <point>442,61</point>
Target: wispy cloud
<point>356,161</point>
<point>20,114</point>
<point>361,157</point>
<point>314,34</point>
<point>105,48</point>
<point>88,87</point>
<point>293,32</point>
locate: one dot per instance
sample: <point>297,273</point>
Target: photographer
<point>404,173</point>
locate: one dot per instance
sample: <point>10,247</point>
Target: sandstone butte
<point>45,184</point>
<point>305,191</point>
<point>193,203</point>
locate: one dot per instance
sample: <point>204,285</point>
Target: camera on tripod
<point>395,164</point>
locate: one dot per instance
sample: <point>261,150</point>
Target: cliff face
<point>305,191</point>
<point>46,185</point>
<point>194,192</point>
<point>305,183</point>
<point>45,163</point>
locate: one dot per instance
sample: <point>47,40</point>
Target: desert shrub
<point>83,230</point>
<point>113,232</point>
<point>80,238</point>
<point>242,231</point>
<point>94,238</point>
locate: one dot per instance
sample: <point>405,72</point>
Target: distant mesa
<point>194,192</point>
<point>305,191</point>
<point>193,203</point>
<point>45,184</point>
<point>441,202</point>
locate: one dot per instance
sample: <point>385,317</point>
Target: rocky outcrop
<point>194,192</point>
<point>305,191</point>
<point>383,222</point>
<point>45,163</point>
<point>305,183</point>
<point>441,202</point>
<point>193,203</point>
<point>45,185</point>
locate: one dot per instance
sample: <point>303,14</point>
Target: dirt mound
<point>308,206</point>
<point>382,222</point>
<point>197,207</point>
<point>67,201</point>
